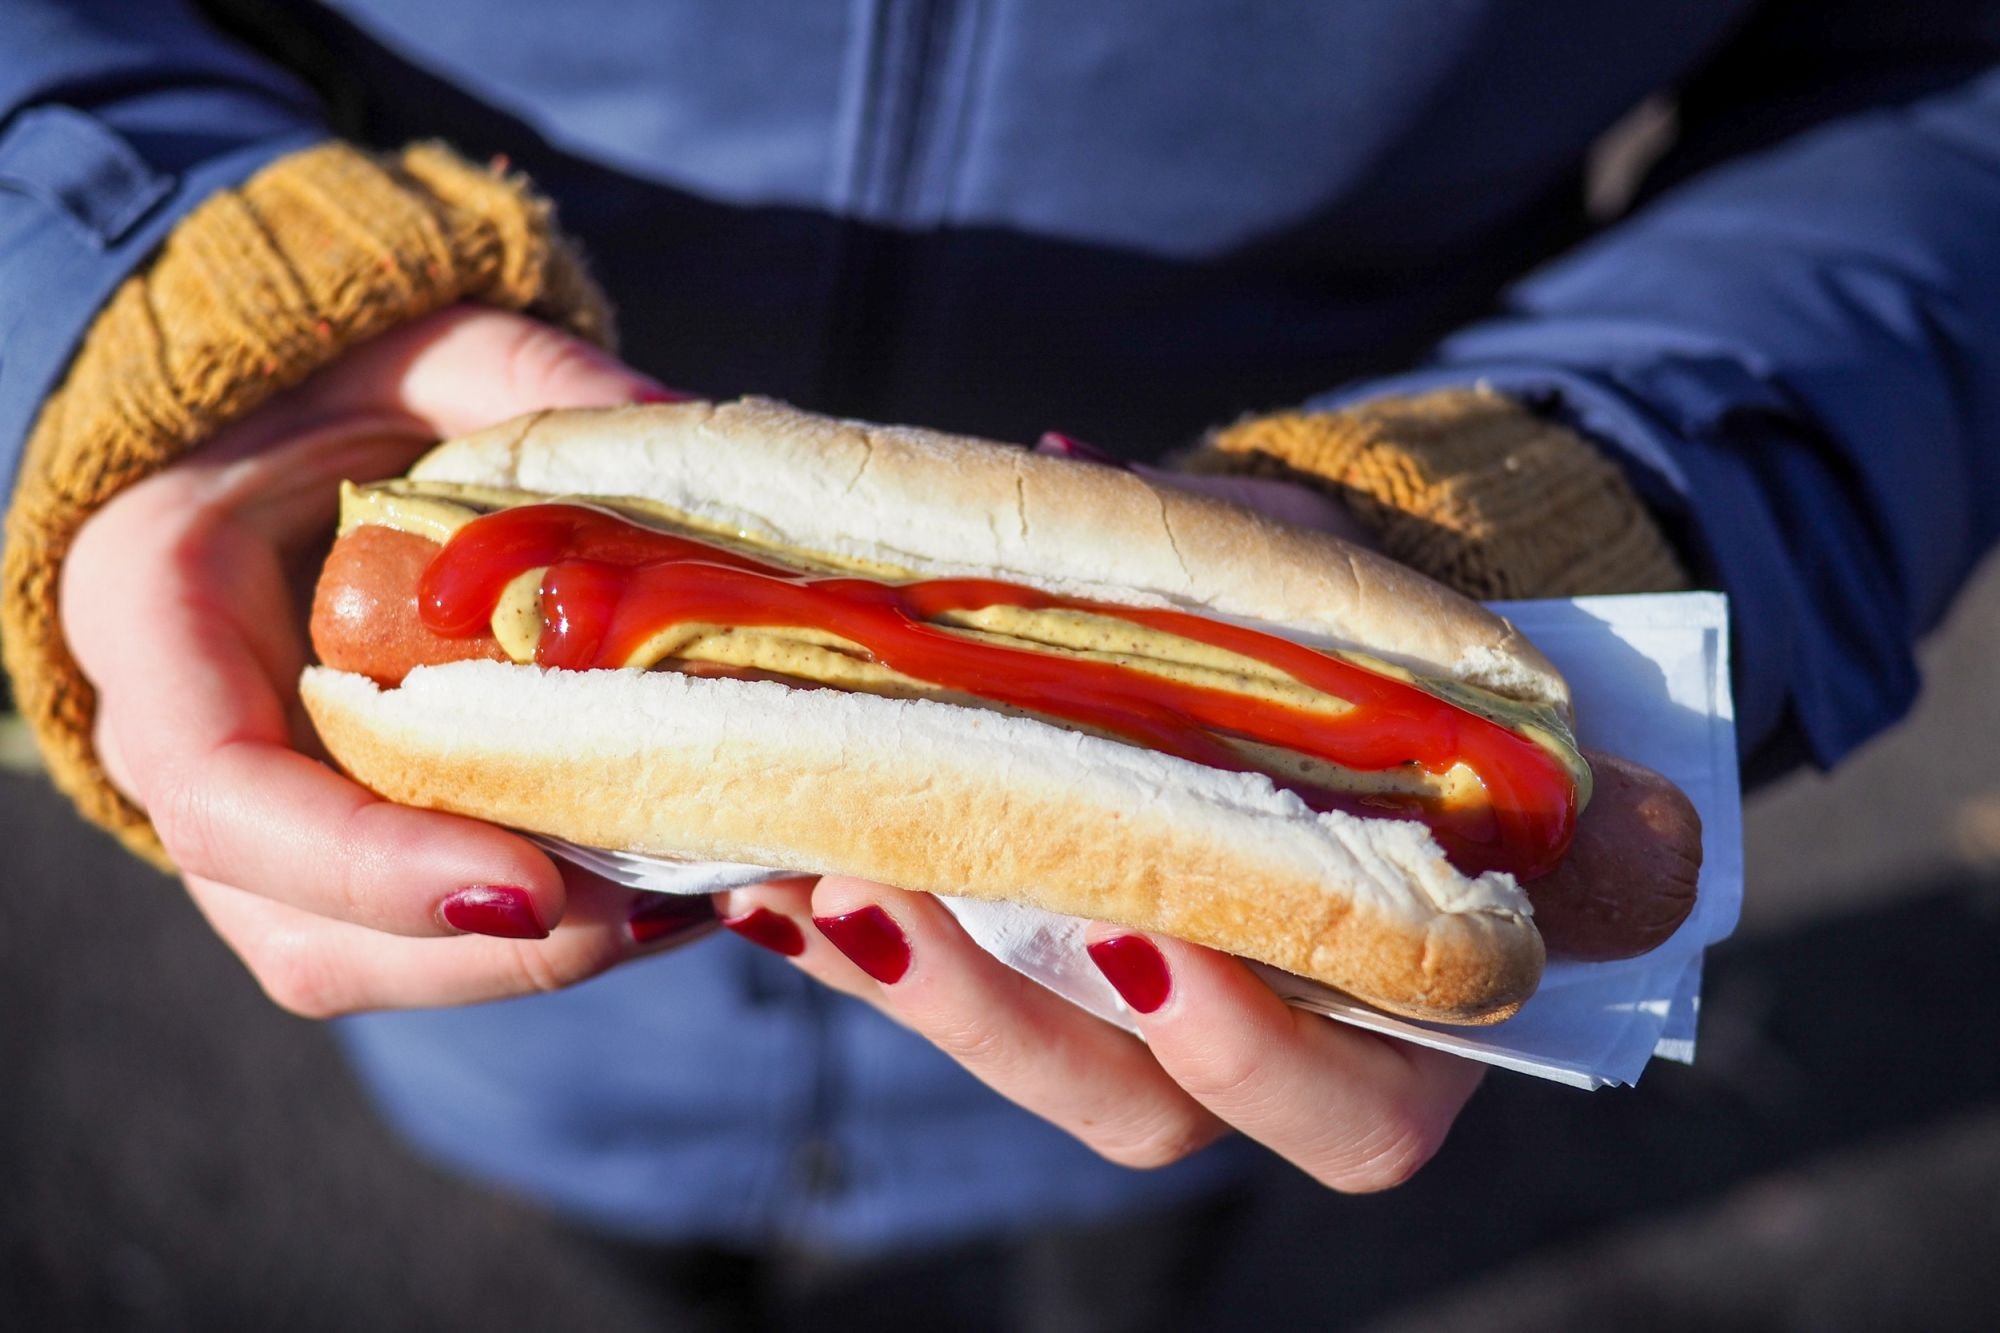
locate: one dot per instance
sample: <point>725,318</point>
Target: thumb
<point>469,366</point>
<point>1287,501</point>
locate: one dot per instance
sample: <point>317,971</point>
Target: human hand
<point>184,602</point>
<point>1354,1110</point>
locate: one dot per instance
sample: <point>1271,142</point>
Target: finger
<point>470,366</point>
<point>1356,1111</point>
<point>777,916</point>
<point>384,401</point>
<point>1286,501</point>
<point>259,813</point>
<point>318,968</point>
<point>1291,502</point>
<point>906,954</point>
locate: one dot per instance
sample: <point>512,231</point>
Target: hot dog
<point>741,632</point>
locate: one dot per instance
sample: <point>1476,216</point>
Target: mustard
<point>436,510</point>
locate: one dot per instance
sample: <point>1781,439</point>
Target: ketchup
<point>612,584</point>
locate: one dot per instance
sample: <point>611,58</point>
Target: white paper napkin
<point>1650,675</point>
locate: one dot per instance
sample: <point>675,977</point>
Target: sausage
<point>1628,880</point>
<point>364,616</point>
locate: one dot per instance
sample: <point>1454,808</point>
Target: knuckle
<point>1160,1142</point>
<point>535,973</point>
<point>1145,1137</point>
<point>362,864</point>
<point>539,358</point>
<point>540,967</point>
<point>184,815</point>
<point>979,1043</point>
<point>1228,1076</point>
<point>299,979</point>
<point>1396,1147</point>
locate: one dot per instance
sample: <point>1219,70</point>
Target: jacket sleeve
<point>116,119</point>
<point>1797,357</point>
<point>177,243</point>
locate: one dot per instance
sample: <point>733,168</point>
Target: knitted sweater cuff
<point>254,290</point>
<point>1468,487</point>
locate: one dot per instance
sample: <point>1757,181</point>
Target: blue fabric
<point>115,120</point>
<point>1129,221</point>
<point>72,164</point>
<point>718,1092</point>
<point>1800,354</point>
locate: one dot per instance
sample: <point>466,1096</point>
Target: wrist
<point>252,293</point>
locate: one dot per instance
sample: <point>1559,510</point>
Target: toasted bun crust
<point>947,799</point>
<point>946,505</point>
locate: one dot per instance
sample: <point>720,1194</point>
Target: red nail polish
<point>660,393</point>
<point>774,930</point>
<point>872,941</point>
<point>661,916</point>
<point>1136,969</point>
<point>500,910</point>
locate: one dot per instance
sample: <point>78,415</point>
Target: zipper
<point>907,83</point>
<point>895,80</point>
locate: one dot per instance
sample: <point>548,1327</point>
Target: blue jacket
<point>1128,221</point>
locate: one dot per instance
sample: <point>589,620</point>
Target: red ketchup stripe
<point>612,584</point>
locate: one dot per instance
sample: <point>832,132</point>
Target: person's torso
<point>1125,220</point>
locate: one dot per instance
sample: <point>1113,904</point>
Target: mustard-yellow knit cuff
<point>1470,488</point>
<point>253,291</point>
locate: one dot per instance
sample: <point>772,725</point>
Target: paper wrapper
<point>1650,675</point>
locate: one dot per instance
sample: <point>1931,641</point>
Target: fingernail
<point>1068,446</point>
<point>660,393</point>
<point>872,940</point>
<point>773,930</point>
<point>500,910</point>
<point>1136,969</point>
<point>660,916</point>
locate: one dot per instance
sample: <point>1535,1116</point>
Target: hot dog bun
<point>943,505</point>
<point>944,798</point>
<point>947,799</point>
